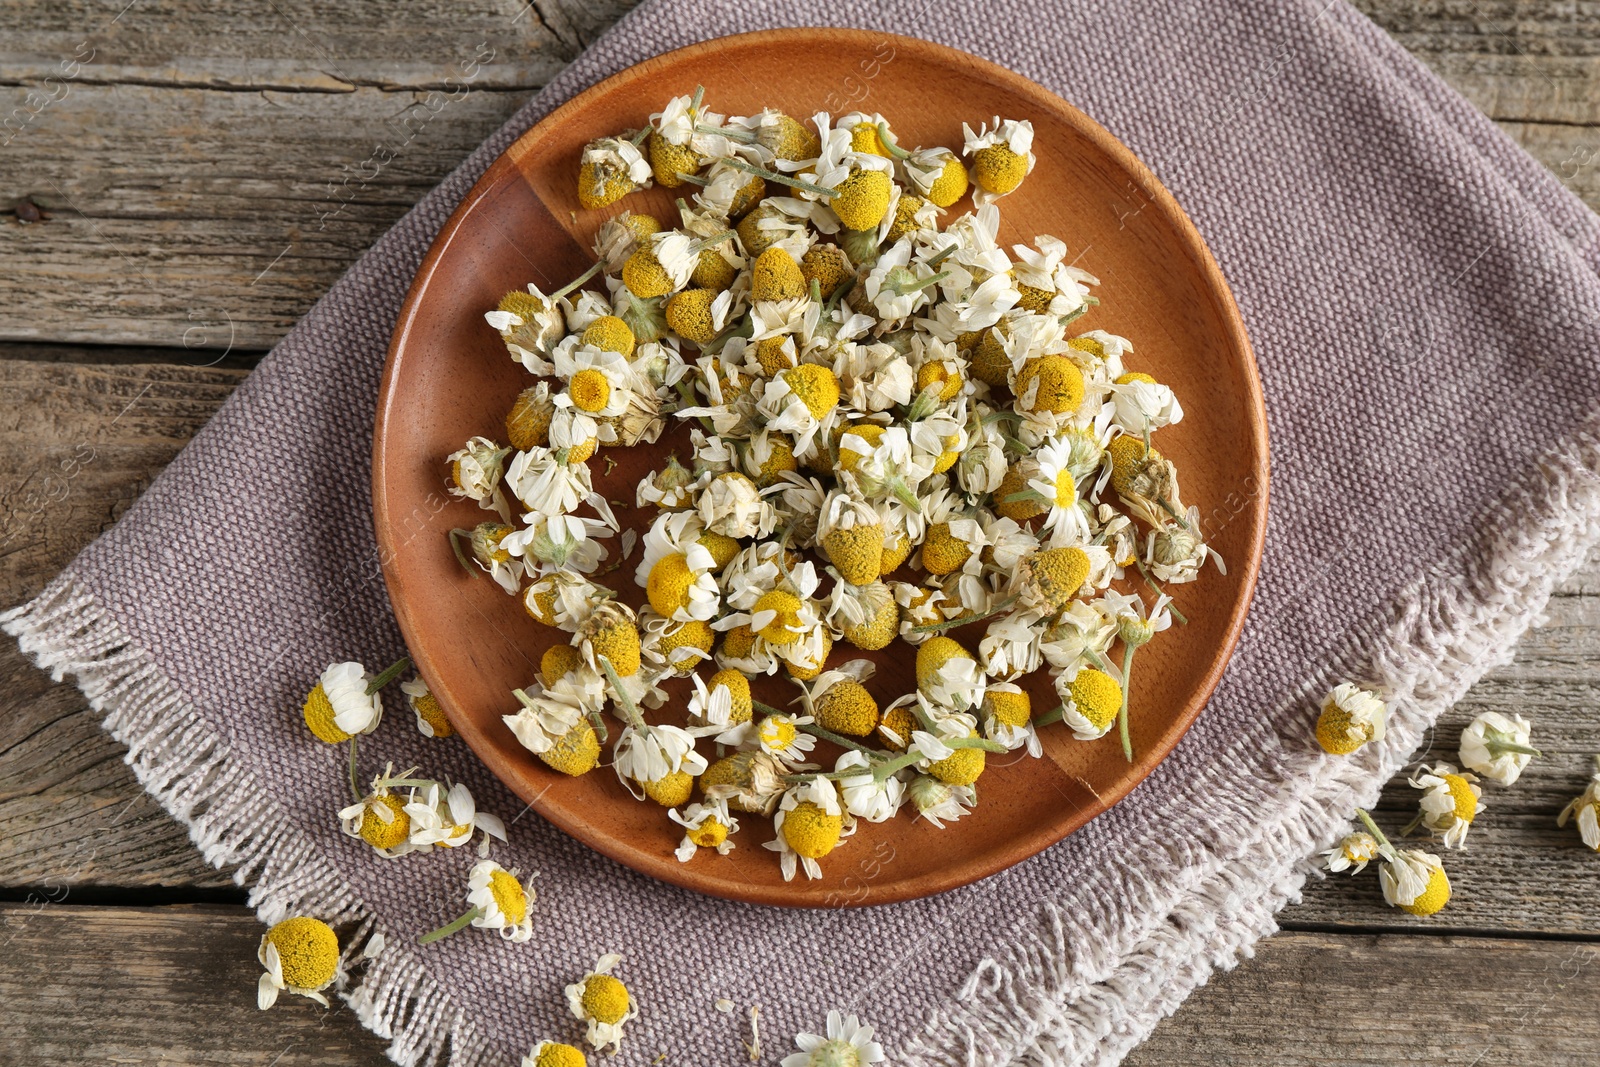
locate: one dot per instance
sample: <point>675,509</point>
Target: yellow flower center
<point>644,275</point>
<point>785,625</point>
<point>950,185</point>
<point>618,641</point>
<point>933,654</point>
<point>668,160</point>
<point>776,276</point>
<point>899,721</point>
<point>738,687</point>
<point>576,753</point>
<point>691,634</point>
<point>554,1055</point>
<point>780,458</point>
<point>540,604</point>
<point>378,833</point>
<point>862,199</point>
<point>1066,490</point>
<point>847,708</point>
<point>942,551</point>
<point>990,364</point>
<point>1436,896</point>
<point>605,999</point>
<point>1097,696</point>
<point>589,390</point>
<point>905,216</point>
<point>722,548</point>
<point>1059,384</point>
<point>1333,732</point>
<point>1058,575</point>
<point>856,552</point>
<point>557,662</point>
<point>1136,376</point>
<point>670,791</point>
<point>669,584</point>
<point>870,432</point>
<point>1089,345</point>
<point>826,265</point>
<point>599,185</point>
<point>896,550</point>
<point>1461,792</point>
<point>1008,708</point>
<point>509,896</point>
<point>709,834</point>
<point>610,334</point>
<point>524,305</point>
<point>998,170</point>
<point>1024,506</point>
<point>1128,457</point>
<point>961,767</point>
<point>739,642</point>
<point>816,387</point>
<point>308,950</point>
<point>805,663</point>
<point>429,711</point>
<point>778,733</point>
<point>879,629</point>
<point>935,372</point>
<point>864,137</point>
<point>810,831</point>
<point>318,711</point>
<point>712,271</point>
<point>689,315</point>
<point>1034,299</point>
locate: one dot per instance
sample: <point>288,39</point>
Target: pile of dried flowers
<point>894,432</point>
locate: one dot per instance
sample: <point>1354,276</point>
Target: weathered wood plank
<point>98,985</point>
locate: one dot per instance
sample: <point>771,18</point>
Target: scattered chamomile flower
<point>499,901</point>
<point>301,955</point>
<point>431,719</point>
<point>705,825</point>
<point>381,820</point>
<point>846,1043</point>
<point>603,1003</point>
<point>1496,746</point>
<point>1413,881</point>
<point>346,701</point>
<point>1351,716</point>
<point>475,474</point>
<point>554,1054</point>
<point>1586,810</point>
<point>450,817</point>
<point>1450,801</point>
<point>810,824</point>
<point>1352,853</point>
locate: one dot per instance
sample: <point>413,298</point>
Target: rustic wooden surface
<point>169,209</point>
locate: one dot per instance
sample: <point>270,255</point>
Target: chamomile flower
<point>431,719</point>
<point>1351,716</point>
<point>563,599</point>
<point>1090,700</point>
<point>645,754</point>
<point>801,402</point>
<point>677,571</point>
<point>475,473</point>
<point>602,1003</point>
<point>1001,155</point>
<point>851,533</point>
<point>530,324</point>
<point>1586,810</point>
<point>549,712</point>
<point>1007,717</point>
<point>732,505</point>
<point>1414,881</point>
<point>940,802</point>
<point>566,543</point>
<point>548,481</point>
<point>1056,483</point>
<point>1450,801</point>
<point>865,795</point>
<point>704,826</point>
<point>780,737</point>
<point>1079,635</point>
<point>301,955</point>
<point>1352,853</point>
<point>343,704</point>
<point>1175,553</point>
<point>554,1054</point>
<point>450,818</point>
<point>380,819</point>
<point>867,615</point>
<point>1496,746</point>
<point>609,170</point>
<point>846,1042</point>
<point>676,647</point>
<point>500,901</point>
<point>810,823</point>
<point>948,675</point>
<point>1143,404</point>
<point>749,780</point>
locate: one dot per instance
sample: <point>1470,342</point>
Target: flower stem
<point>964,620</point>
<point>390,673</point>
<point>781,179</point>
<point>355,785</point>
<point>1372,828</point>
<point>1122,712</point>
<point>577,282</point>
<point>1055,714</point>
<point>623,700</point>
<point>461,557</point>
<point>894,149</point>
<point>1499,744</point>
<point>1183,620</point>
<point>449,928</point>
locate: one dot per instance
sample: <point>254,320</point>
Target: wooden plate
<point>448,378</point>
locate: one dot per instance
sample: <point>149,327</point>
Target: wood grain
<point>1305,1000</point>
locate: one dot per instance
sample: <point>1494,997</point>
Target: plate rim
<point>666,868</point>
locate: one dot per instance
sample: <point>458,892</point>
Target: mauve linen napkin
<point>1422,298</point>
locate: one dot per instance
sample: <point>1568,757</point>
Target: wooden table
<point>179,182</point>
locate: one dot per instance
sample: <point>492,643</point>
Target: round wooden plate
<point>448,378</point>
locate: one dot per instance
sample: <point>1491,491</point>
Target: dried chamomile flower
<point>750,781</point>
<point>619,237</point>
<point>705,825</point>
<point>381,820</point>
<point>1413,881</point>
<point>603,1003</point>
<point>301,955</point>
<point>549,481</point>
<point>1001,157</point>
<point>940,802</point>
<point>346,701</point>
<point>447,817</point>
<point>810,824</point>
<point>1496,746</point>
<point>839,702</point>
<point>1351,716</point>
<point>851,535</point>
<point>609,170</point>
<point>476,471</point>
<point>865,794</point>
<point>431,719</point>
<point>1352,853</point>
<point>554,1054</point>
<point>499,901</point>
<point>489,547</point>
<point>1090,701</point>
<point>847,1041</point>
<point>1586,810</point>
<point>866,615</point>
<point>1450,801</point>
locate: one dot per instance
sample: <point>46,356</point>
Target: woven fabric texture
<point>1421,296</point>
